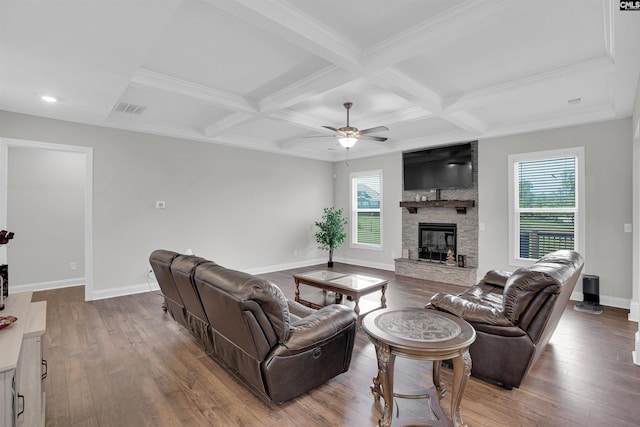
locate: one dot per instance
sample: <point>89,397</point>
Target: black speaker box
<point>4,273</point>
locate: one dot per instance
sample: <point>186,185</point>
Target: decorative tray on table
<point>6,321</point>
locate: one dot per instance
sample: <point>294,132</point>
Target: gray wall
<point>243,209</point>
<point>255,211</point>
<point>608,170</point>
<point>608,174</point>
<point>391,166</point>
<point>45,209</point>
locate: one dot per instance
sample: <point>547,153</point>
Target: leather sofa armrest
<point>314,329</point>
<point>468,310</point>
<point>299,310</point>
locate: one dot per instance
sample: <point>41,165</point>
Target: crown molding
<point>213,96</point>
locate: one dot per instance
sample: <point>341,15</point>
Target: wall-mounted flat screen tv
<point>438,168</point>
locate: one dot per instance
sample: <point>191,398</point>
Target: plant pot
<point>330,264</point>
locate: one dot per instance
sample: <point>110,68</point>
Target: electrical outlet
<point>73,266</point>
<point>627,228</point>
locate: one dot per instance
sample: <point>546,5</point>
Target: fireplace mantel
<point>459,205</point>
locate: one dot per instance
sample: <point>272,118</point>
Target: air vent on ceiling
<point>125,107</point>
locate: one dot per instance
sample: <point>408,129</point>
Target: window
<point>366,212</point>
<point>545,203</point>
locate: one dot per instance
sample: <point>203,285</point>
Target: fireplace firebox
<point>436,240</point>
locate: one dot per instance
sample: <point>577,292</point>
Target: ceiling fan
<point>349,135</point>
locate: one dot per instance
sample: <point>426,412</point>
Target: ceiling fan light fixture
<point>348,141</point>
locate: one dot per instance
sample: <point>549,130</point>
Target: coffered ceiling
<point>268,74</point>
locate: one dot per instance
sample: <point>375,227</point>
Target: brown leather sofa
<point>514,314</point>
<point>278,348</point>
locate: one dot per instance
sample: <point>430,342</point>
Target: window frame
<point>514,211</point>
<point>354,210</point>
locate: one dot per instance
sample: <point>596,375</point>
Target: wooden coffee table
<point>420,334</point>
<point>350,285</point>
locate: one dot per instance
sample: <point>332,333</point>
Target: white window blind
<point>546,206</point>
<point>366,194</point>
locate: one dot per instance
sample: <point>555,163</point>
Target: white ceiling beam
<point>293,26</point>
<point>215,129</point>
<point>304,121</point>
<point>305,88</point>
<point>405,115</point>
<point>213,96</point>
<point>402,85</point>
<point>609,39</point>
<point>394,80</point>
<point>453,24</point>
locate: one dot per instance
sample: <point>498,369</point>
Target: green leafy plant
<point>331,232</point>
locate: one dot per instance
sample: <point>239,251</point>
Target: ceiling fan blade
<point>331,128</point>
<point>373,130</point>
<point>373,138</point>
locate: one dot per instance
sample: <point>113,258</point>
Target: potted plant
<point>331,233</point>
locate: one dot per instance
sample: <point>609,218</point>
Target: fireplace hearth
<point>435,241</point>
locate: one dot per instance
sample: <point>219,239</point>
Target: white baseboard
<point>43,286</point>
<point>125,290</point>
<point>288,266</point>
<point>361,263</point>
<point>634,307</point>
<point>605,300</point>
<point>634,311</point>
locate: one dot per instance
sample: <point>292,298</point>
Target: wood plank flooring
<point>124,362</point>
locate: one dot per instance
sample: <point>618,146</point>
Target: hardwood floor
<point>124,362</point>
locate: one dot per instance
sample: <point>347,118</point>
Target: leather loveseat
<point>278,348</point>
<point>514,314</point>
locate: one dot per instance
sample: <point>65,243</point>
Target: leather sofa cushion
<point>244,286</point>
<point>523,285</point>
<point>496,277</point>
<point>474,306</point>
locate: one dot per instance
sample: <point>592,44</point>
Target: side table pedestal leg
<point>461,372</point>
<point>384,380</point>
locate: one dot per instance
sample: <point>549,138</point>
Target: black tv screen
<point>438,168</point>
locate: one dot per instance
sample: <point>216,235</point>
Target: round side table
<point>420,334</point>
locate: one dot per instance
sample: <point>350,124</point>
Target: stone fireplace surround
<point>467,234</point>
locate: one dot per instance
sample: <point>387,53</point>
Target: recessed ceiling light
<point>49,98</point>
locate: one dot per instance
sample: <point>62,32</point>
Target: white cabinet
<point>30,367</point>
<point>7,396</point>
<point>22,398</point>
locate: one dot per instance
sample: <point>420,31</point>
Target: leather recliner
<point>183,269</point>
<point>161,264</point>
<point>514,314</point>
<point>279,348</point>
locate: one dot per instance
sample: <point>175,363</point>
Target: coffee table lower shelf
<point>316,299</point>
<point>322,287</point>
